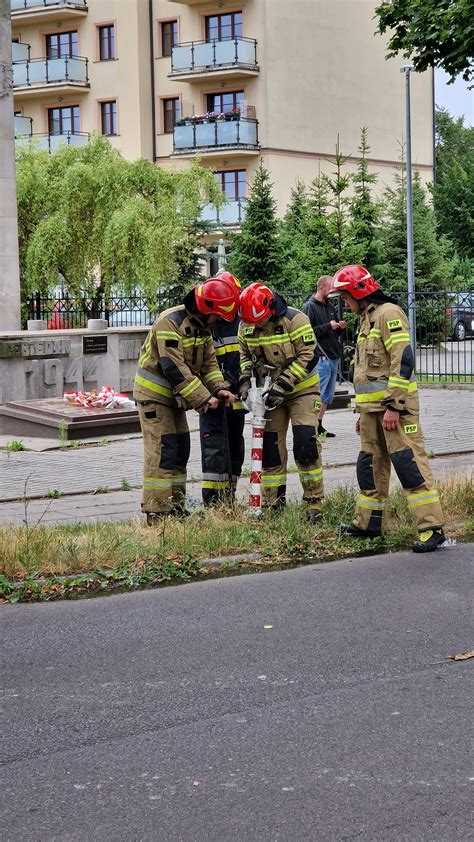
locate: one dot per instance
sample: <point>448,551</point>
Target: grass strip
<point>38,562</point>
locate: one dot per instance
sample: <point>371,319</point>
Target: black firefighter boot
<point>429,540</point>
<point>355,532</point>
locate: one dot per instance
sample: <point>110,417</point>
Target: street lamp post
<point>406,69</point>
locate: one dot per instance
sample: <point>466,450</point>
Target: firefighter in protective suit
<point>178,370</point>
<point>389,424</point>
<point>222,432</point>
<point>279,340</point>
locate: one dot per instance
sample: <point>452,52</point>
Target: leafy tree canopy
<point>453,190</point>
<point>98,220</point>
<point>437,33</point>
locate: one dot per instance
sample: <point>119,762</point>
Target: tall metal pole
<point>409,198</point>
<point>9,269</point>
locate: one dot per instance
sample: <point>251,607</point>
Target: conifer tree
<point>364,212</point>
<point>295,248</point>
<point>433,267</point>
<point>256,253</point>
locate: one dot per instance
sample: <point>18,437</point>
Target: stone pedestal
<point>45,364</point>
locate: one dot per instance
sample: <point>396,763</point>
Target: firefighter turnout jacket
<point>384,379</point>
<point>222,447</point>
<point>384,364</point>
<point>286,343</point>
<point>178,361</point>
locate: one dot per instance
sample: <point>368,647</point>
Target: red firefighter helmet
<point>257,303</point>
<point>224,275</point>
<point>217,297</point>
<point>354,279</point>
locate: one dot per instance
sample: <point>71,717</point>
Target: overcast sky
<point>456,97</point>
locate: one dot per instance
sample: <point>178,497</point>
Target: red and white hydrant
<point>255,403</point>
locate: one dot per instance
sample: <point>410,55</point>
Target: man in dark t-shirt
<point>327,329</point>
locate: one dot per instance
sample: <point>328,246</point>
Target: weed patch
<point>38,562</point>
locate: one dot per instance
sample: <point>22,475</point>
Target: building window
<point>108,111</point>
<point>107,42</point>
<point>64,120</point>
<point>169,36</point>
<point>62,44</point>
<point>221,27</point>
<point>171,113</point>
<point>222,103</point>
<point>233,183</point>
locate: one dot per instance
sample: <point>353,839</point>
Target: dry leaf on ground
<point>461,656</point>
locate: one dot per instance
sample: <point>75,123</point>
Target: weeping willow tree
<point>99,222</point>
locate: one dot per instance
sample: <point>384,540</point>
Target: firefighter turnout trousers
<point>404,449</point>
<point>215,439</point>
<point>301,411</point>
<point>166,444</point>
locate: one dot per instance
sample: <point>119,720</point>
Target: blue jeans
<point>327,370</point>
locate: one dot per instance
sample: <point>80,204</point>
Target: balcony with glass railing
<point>201,59</point>
<point>40,75</point>
<point>23,126</point>
<point>20,51</point>
<point>39,11</point>
<point>211,135</point>
<point>52,142</point>
<point>229,215</point>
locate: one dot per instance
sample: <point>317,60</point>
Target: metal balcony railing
<point>23,126</point>
<point>51,71</point>
<point>240,133</point>
<point>22,5</point>
<point>202,56</point>
<point>52,142</point>
<point>230,214</point>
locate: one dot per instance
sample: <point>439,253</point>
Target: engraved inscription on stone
<point>73,380</point>
<point>35,348</point>
<point>45,347</point>
<point>31,379</point>
<point>129,349</point>
<point>53,378</point>
<point>44,378</point>
<point>10,349</point>
<point>89,372</point>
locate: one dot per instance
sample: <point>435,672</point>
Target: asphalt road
<point>176,715</point>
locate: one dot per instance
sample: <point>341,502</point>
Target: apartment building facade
<point>228,81</point>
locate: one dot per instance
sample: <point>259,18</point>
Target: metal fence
<point>444,325</point>
<point>444,334</point>
<point>67,311</point>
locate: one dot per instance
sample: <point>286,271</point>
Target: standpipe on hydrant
<point>256,404</point>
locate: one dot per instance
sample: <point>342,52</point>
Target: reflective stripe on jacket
<point>177,359</point>
<point>384,364</point>
<point>287,343</point>
<point>226,345</point>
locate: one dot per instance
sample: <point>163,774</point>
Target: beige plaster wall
<point>127,79</point>
<point>322,72</point>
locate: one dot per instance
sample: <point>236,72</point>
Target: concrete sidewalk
<point>446,416</point>
<point>123,505</point>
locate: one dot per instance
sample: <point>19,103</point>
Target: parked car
<point>460,315</point>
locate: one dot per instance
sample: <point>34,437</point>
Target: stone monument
<point>9,268</point>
